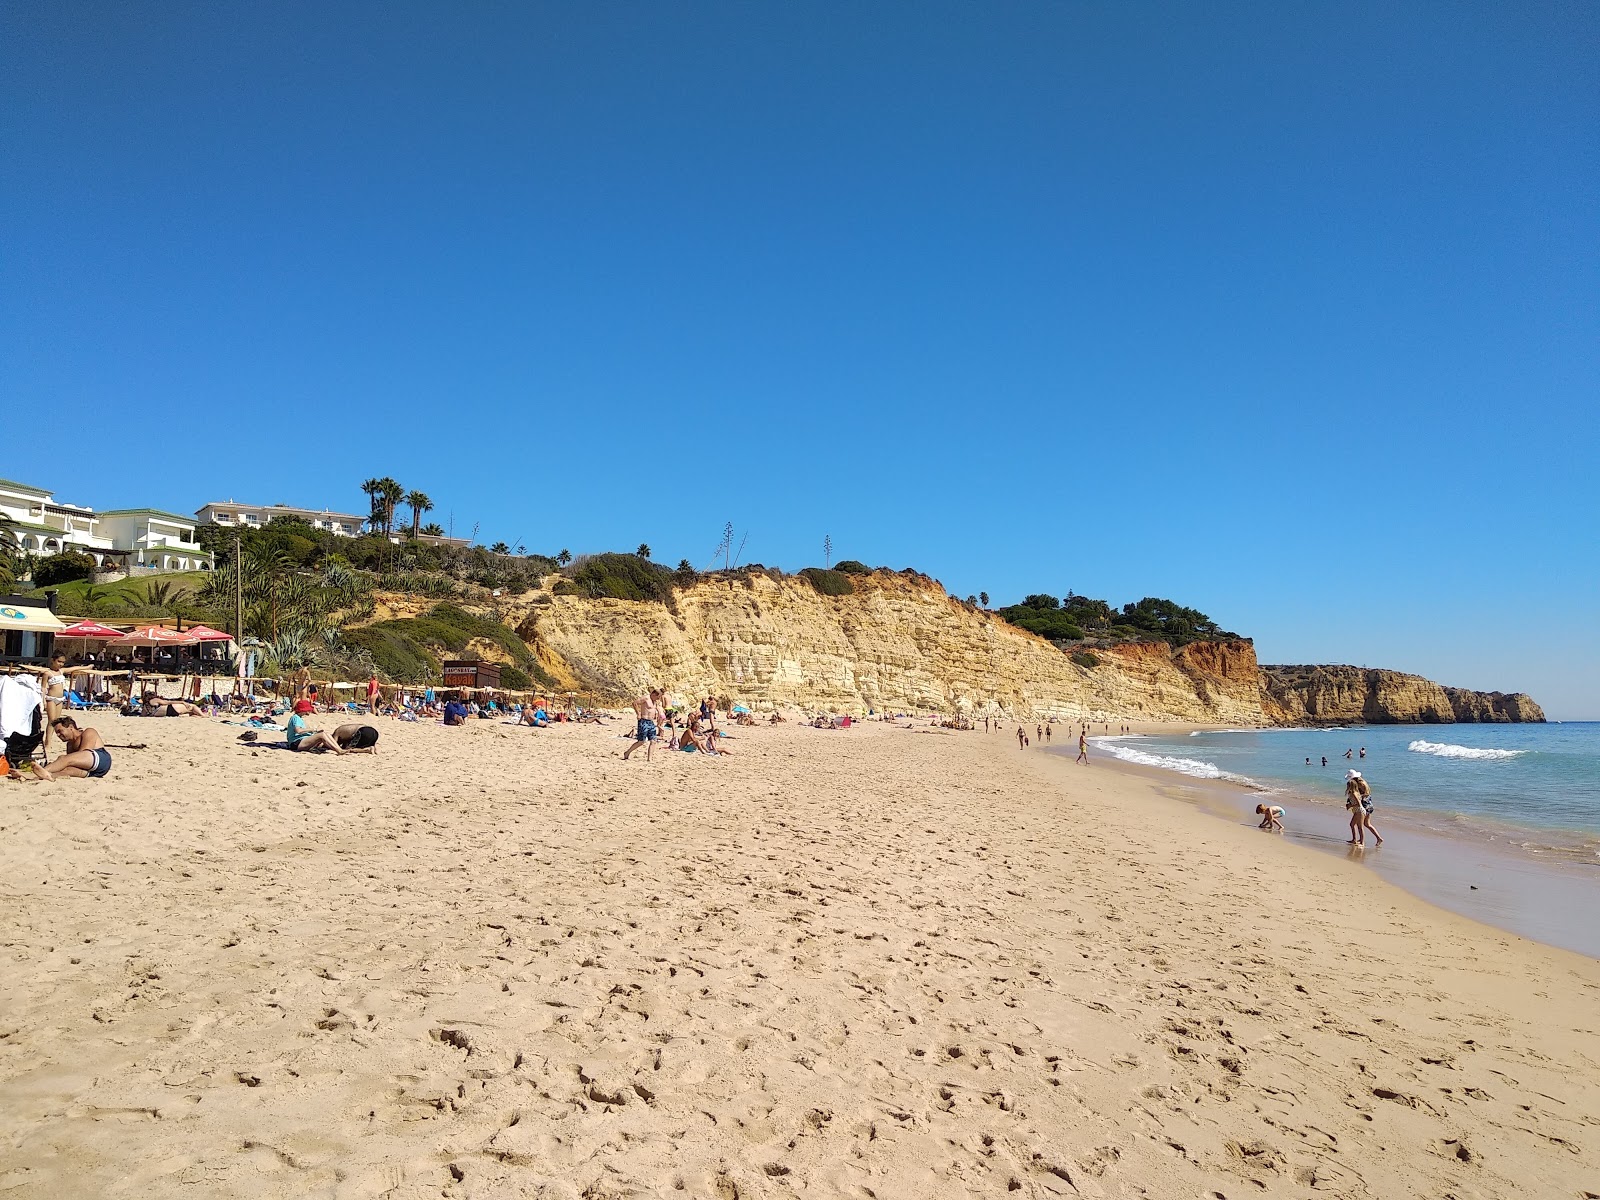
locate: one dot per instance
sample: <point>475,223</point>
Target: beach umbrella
<point>157,635</point>
<point>204,633</point>
<point>90,629</point>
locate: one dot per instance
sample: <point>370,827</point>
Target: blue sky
<point>1287,312</point>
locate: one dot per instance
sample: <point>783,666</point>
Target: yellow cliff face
<point>898,642</point>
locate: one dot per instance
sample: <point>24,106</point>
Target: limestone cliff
<point>897,642</point>
<point>1337,695</point>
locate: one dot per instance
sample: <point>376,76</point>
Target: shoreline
<point>1547,899</point>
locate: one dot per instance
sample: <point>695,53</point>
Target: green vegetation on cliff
<point>1078,617</point>
<point>411,649</point>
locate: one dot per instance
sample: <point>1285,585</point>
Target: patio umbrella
<point>90,629</point>
<point>204,633</point>
<point>156,635</point>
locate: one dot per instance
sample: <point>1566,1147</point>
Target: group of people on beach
<point>654,722</point>
<point>1357,802</point>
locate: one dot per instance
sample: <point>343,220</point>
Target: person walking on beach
<point>648,710</point>
<point>1022,738</point>
<point>1048,730</point>
<point>1083,749</point>
<point>373,693</point>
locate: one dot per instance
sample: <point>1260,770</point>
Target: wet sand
<point>1551,899</point>
<point>878,962</point>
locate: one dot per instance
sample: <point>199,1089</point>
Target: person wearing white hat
<point>1358,802</point>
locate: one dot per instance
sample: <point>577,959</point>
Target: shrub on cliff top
<point>851,567</point>
<point>829,583</point>
<point>619,576</point>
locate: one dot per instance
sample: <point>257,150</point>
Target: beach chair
<point>80,703</point>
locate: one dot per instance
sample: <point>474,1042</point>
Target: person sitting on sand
<point>455,712</point>
<point>86,755</point>
<point>300,736</point>
<point>357,739</point>
<point>690,740</point>
<point>1271,816</point>
<point>534,718</point>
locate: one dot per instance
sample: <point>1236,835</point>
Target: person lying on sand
<point>1271,816</point>
<point>300,736</point>
<point>155,706</point>
<point>356,738</point>
<point>86,755</point>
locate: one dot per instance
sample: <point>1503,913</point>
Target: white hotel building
<point>232,515</point>
<point>118,540</point>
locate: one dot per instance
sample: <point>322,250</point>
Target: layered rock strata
<point>898,642</point>
<point>1338,695</point>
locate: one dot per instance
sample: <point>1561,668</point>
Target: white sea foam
<point>1446,750</point>
<point>1194,767</point>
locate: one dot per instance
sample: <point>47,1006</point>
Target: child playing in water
<point>1271,816</point>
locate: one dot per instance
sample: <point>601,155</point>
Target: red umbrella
<point>204,633</point>
<point>90,629</point>
<point>156,635</point>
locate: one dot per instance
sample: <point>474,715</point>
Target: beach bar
<point>28,628</point>
<point>471,674</point>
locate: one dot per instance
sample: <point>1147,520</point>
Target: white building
<point>115,540</point>
<point>41,526</point>
<point>158,540</point>
<point>232,515</point>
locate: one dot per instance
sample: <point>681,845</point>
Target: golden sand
<point>495,962</point>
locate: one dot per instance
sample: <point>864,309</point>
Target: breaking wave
<point>1193,767</point>
<point>1446,750</point>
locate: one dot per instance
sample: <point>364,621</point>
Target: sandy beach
<point>497,962</point>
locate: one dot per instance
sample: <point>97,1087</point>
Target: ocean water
<point>1534,788</point>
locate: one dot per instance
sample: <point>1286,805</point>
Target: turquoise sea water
<point>1535,788</point>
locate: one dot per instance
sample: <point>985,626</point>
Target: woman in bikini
<point>55,696</point>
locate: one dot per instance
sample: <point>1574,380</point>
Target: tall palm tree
<point>374,488</point>
<point>390,493</point>
<point>564,557</point>
<point>420,504</point>
<point>644,550</point>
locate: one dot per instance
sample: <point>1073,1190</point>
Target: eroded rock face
<point>1338,695</point>
<point>898,642</point>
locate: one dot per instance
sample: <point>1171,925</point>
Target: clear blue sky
<point>1284,311</point>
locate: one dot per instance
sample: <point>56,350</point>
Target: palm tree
<point>373,487</point>
<point>433,529</point>
<point>499,548</point>
<point>8,557</point>
<point>420,504</point>
<point>390,494</point>
<point>564,557</point>
<point>644,550</point>
<point>983,599</point>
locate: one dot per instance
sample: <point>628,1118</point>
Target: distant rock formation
<point>1338,695</point>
